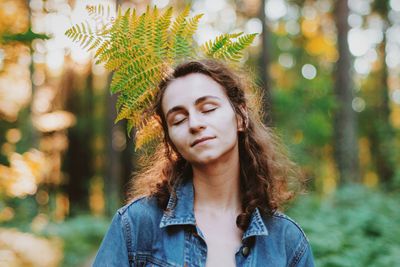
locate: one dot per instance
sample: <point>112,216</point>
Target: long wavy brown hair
<point>268,178</point>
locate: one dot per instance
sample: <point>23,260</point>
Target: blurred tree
<point>303,101</point>
<point>19,174</point>
<point>264,63</point>
<point>380,131</point>
<point>79,157</point>
<point>345,121</point>
<point>113,172</point>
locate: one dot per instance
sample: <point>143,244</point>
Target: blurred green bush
<point>355,226</point>
<point>81,237</point>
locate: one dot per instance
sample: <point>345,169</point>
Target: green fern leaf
<point>232,49</point>
<point>160,41</point>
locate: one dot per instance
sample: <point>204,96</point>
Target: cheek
<point>229,121</point>
<point>175,137</point>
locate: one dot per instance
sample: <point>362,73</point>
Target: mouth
<point>197,141</point>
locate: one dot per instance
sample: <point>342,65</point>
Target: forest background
<point>330,71</point>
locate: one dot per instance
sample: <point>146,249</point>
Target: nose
<point>196,123</point>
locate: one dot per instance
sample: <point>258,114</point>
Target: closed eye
<point>179,122</point>
<point>209,110</point>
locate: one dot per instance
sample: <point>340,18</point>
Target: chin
<point>211,156</point>
<point>206,158</point>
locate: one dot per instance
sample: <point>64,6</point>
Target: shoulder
<point>140,220</point>
<point>138,204</point>
<point>284,231</point>
<point>133,228</point>
<point>141,211</point>
<point>282,222</point>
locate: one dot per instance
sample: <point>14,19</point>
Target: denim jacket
<point>141,234</point>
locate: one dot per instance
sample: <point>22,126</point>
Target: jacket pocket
<point>148,260</point>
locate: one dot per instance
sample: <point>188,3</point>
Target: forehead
<point>185,90</point>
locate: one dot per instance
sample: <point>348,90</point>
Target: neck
<point>217,187</point>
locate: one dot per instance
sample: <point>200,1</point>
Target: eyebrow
<point>197,102</point>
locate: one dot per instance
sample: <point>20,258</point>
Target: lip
<point>202,139</point>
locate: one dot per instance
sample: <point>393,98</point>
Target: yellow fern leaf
<point>148,132</point>
<point>191,26</point>
<point>124,113</point>
<point>179,22</point>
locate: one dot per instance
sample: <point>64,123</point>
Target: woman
<point>211,197</point>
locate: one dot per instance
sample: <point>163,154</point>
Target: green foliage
<point>356,227</point>
<point>223,47</point>
<point>26,37</point>
<point>304,115</point>
<point>140,49</point>
<point>25,210</point>
<point>81,237</point>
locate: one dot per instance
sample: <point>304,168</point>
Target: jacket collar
<point>180,212</point>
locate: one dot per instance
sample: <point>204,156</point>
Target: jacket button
<point>195,234</point>
<point>245,251</point>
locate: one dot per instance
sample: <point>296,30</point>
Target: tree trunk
<point>345,123</point>
<point>113,173</point>
<point>78,159</point>
<point>381,134</point>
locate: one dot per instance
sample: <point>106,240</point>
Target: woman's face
<point>201,121</point>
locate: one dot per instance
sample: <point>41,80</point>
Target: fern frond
<point>233,49</point>
<point>123,76</point>
<point>98,10</point>
<point>180,21</point>
<point>179,46</point>
<point>191,26</point>
<point>107,54</point>
<point>102,48</point>
<point>84,35</point>
<point>210,47</point>
<point>101,17</point>
<point>225,48</point>
<point>141,50</point>
<point>134,109</point>
<point>160,41</point>
<point>140,30</point>
<point>133,21</point>
<point>143,101</point>
<point>124,23</point>
<point>149,26</point>
<point>124,113</point>
<point>234,35</point>
<point>145,77</point>
<point>129,126</point>
<point>149,132</point>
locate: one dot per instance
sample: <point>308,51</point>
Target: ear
<point>242,121</point>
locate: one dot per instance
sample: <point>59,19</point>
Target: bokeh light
<point>286,60</point>
<point>160,3</point>
<point>358,104</point>
<point>396,96</point>
<point>275,9</point>
<point>395,5</point>
<point>309,71</point>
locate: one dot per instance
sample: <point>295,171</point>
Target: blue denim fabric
<point>141,234</point>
